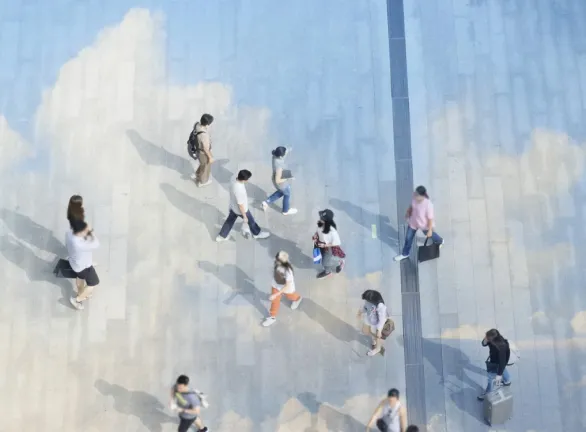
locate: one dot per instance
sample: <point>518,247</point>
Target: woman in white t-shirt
<point>283,285</point>
<point>328,240</point>
<point>375,314</point>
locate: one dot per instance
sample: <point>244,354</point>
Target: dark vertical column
<point>415,385</point>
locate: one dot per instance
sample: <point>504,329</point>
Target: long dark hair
<point>372,296</point>
<point>75,210</point>
<point>495,337</point>
<point>282,260</point>
<point>327,216</point>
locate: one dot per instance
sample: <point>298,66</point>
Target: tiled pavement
<point>497,99</point>
<point>98,99</point>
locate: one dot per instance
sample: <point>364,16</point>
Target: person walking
<point>412,428</point>
<point>281,178</point>
<point>283,285</point>
<point>374,314</point>
<point>75,209</point>
<point>188,405</point>
<point>81,242</point>
<point>328,241</point>
<point>389,415</point>
<point>200,149</point>
<point>496,364</point>
<point>239,208</point>
<point>419,215</point>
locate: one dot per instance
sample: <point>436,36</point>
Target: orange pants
<point>276,303</point>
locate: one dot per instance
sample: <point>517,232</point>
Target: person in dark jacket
<point>496,365</point>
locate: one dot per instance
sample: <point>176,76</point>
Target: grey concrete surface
<point>99,101</point>
<point>497,107</point>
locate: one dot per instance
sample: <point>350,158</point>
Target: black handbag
<point>428,251</point>
<point>63,270</point>
<point>382,425</point>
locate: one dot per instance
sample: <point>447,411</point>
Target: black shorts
<point>185,424</point>
<point>89,275</point>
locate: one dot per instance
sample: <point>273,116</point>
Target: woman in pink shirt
<point>419,216</point>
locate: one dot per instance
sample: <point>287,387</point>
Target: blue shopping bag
<point>316,255</point>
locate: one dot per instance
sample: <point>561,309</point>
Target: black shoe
<point>481,397</point>
<point>323,274</point>
<point>340,267</point>
<point>205,429</point>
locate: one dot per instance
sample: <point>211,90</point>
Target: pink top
<point>421,213</point>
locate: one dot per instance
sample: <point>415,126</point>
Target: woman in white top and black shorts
<point>328,240</point>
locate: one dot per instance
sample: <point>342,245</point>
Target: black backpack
<point>193,144</point>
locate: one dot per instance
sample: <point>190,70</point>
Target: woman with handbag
<point>328,241</point>
<point>389,415</point>
<point>376,321</point>
<point>420,216</point>
<point>283,285</point>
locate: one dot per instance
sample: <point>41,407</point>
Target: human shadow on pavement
<point>152,154</point>
<point>28,231</point>
<point>453,367</point>
<point>242,284</point>
<point>36,269</point>
<point>334,419</point>
<point>224,177</point>
<point>214,218</point>
<point>200,210</point>
<point>146,407</point>
<point>387,233</point>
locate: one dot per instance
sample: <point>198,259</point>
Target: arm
<point>243,212</point>
<point>279,176</point>
<point>502,360</point>
<point>193,411</point>
<point>484,342</point>
<point>408,212</point>
<point>89,244</point>
<point>205,146</point>
<point>375,415</point>
<point>403,418</point>
<point>275,295</point>
<point>430,216</point>
<point>381,311</point>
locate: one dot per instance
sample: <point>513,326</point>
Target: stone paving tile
<point>501,148</point>
<point>99,102</point>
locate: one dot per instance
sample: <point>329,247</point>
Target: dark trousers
<point>185,424</point>
<point>231,219</point>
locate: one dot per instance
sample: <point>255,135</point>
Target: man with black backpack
<point>199,147</point>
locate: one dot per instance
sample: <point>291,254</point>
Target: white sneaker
<point>291,211</point>
<point>262,235</point>
<point>400,257</point>
<point>77,305</point>
<point>265,206</point>
<point>269,321</point>
<point>221,239</point>
<point>192,176</point>
<point>296,303</point>
<point>209,182</point>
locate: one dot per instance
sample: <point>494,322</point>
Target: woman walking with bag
<point>281,178</point>
<point>376,321</point>
<point>328,241</point>
<point>419,215</point>
<point>283,285</point>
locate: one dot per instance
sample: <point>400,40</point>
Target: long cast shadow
<point>28,231</point>
<point>334,419</point>
<point>242,284</point>
<point>387,233</point>
<point>146,407</point>
<point>36,269</point>
<point>155,155</point>
<point>213,219</point>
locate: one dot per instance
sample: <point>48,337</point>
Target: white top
<point>238,195</point>
<point>332,238</point>
<point>80,250</point>
<point>375,315</point>
<point>391,417</point>
<point>289,278</point>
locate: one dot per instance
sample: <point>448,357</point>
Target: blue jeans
<point>492,376</point>
<point>231,220</point>
<point>285,192</point>
<point>411,235</point>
